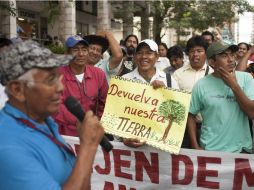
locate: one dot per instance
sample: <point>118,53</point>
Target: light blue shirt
<point>103,64</point>
<point>28,159</point>
<point>225,126</point>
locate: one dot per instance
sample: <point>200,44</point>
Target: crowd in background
<point>216,74</point>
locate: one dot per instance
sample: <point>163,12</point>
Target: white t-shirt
<point>3,96</point>
<point>159,75</point>
<point>162,63</point>
<point>80,77</point>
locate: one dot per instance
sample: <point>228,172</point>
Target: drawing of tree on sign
<point>174,112</point>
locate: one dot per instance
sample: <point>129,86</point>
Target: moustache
<point>131,50</point>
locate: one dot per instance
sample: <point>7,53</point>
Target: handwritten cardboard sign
<point>136,110</point>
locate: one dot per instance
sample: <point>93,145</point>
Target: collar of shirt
<point>159,75</point>
<point>189,67</point>
<point>16,113</point>
<point>69,75</point>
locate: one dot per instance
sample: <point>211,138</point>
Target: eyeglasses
<point>50,81</point>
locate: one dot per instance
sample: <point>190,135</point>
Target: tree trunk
<point>103,19</point>
<point>145,24</point>
<point>157,26</point>
<point>165,135</point>
<point>128,15</point>
<point>178,34</point>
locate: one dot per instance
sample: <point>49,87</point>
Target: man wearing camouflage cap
<point>32,153</point>
<point>225,100</point>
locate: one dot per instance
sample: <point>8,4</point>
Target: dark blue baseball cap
<point>74,40</point>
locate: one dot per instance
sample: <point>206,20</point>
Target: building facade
<point>43,20</point>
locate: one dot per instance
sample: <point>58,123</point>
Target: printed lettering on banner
<point>147,168</point>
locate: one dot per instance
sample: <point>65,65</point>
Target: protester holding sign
<point>225,100</point>
<point>33,155</point>
<point>146,56</point>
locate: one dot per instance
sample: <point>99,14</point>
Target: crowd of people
<point>35,84</point>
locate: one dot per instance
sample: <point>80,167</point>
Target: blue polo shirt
<point>28,159</point>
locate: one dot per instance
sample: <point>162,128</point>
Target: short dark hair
<point>250,68</point>
<point>164,45</point>
<point>244,43</point>
<point>176,51</point>
<point>208,33</point>
<point>196,41</point>
<point>131,35</point>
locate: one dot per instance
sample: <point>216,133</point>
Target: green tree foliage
<point>160,14</point>
<point>52,9</point>
<point>9,6</point>
<point>56,49</point>
<point>200,15</point>
<point>216,13</point>
<point>180,18</point>
<point>173,111</point>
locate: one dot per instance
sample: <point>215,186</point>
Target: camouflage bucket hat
<point>21,57</point>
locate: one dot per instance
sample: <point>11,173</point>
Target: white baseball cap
<point>152,45</point>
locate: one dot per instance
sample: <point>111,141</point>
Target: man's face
<point>176,62</point>
<point>208,39</point>
<point>94,53</point>
<point>80,52</point>
<point>197,57</point>
<point>242,50</point>
<point>225,60</point>
<point>131,45</point>
<point>42,94</point>
<point>145,59</point>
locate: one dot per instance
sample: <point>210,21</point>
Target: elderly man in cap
<point>32,153</point>
<point>225,100</point>
<point>85,82</point>
<point>146,56</point>
<point>98,44</point>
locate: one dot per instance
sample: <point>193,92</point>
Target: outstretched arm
<point>115,48</point>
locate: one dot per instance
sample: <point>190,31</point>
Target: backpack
<point>168,77</point>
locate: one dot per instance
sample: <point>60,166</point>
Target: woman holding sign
<point>145,58</point>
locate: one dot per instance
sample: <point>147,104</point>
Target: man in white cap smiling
<point>145,58</point>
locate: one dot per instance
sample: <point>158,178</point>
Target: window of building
<point>82,29</point>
